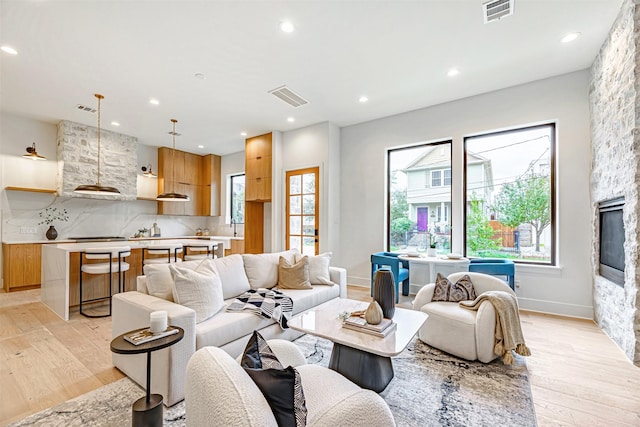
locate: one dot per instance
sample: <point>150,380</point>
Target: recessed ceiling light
<point>154,101</point>
<point>243,134</point>
<point>291,119</point>
<point>200,76</point>
<point>9,50</point>
<point>453,72</point>
<point>200,146</point>
<point>569,37</point>
<point>363,99</point>
<point>115,124</point>
<point>287,27</point>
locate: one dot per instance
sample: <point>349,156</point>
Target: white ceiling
<point>397,53</point>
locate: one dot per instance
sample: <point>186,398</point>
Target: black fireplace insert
<point>612,240</point>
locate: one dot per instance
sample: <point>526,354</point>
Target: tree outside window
<point>236,201</point>
<point>510,195</point>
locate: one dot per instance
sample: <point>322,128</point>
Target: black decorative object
<point>51,233</point>
<point>384,292</point>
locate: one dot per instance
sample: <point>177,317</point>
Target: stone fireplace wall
<point>615,133</point>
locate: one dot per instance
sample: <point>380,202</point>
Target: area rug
<point>430,388</point>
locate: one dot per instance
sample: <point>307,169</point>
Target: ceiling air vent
<point>289,96</point>
<point>85,108</point>
<point>497,9</point>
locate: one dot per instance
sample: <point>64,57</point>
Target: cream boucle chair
<point>468,334</point>
<point>219,392</point>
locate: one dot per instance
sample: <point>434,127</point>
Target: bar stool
<point>109,267</point>
<point>170,250</point>
<point>208,247</point>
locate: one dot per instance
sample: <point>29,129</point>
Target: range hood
<point>78,161</point>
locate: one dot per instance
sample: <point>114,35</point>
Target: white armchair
<point>219,392</point>
<point>468,334</point>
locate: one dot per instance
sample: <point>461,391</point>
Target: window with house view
<point>236,199</point>
<point>509,195</point>
<point>419,198</point>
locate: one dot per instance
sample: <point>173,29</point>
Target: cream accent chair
<point>468,334</point>
<point>218,392</point>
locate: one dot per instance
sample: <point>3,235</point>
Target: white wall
<point>564,289</point>
<point>313,146</point>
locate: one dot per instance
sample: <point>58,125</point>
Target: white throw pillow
<point>231,271</point>
<point>159,280</point>
<point>262,269</point>
<point>199,289</point>
<point>318,268</point>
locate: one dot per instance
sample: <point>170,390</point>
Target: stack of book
<point>145,335</point>
<point>382,329</point>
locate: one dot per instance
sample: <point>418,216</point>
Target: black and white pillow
<point>281,387</point>
<point>462,290</point>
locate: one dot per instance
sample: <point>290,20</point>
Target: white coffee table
<point>363,358</point>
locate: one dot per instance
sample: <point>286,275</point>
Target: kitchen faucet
<point>233,224</point>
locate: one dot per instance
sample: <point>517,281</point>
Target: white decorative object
<point>431,252</point>
<point>158,321</point>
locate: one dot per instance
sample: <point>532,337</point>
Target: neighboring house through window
<point>419,199</point>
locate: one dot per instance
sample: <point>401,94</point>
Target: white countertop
<point>131,239</point>
<point>133,244</point>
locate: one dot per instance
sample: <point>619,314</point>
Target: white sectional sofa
<point>229,331</point>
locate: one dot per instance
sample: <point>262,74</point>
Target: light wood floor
<point>578,376</point>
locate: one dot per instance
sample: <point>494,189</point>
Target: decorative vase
<point>431,252</point>
<point>51,233</point>
<point>373,315</point>
<point>384,292</point>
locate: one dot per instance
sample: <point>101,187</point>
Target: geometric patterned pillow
<point>282,388</point>
<point>460,291</point>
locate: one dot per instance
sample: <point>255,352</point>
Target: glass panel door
<point>302,210</point>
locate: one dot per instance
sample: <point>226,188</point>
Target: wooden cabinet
<point>211,185</point>
<point>191,174</point>
<point>258,168</point>
<point>21,265</point>
<point>237,247</point>
<point>258,171</point>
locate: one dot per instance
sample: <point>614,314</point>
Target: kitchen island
<point>61,269</point>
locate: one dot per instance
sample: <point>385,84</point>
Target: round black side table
<point>147,411</point>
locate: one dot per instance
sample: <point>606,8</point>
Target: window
<point>436,180</point>
<point>418,203</point>
<point>510,195</point>
<point>236,201</point>
<point>441,177</point>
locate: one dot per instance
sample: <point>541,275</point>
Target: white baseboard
<point>552,307</point>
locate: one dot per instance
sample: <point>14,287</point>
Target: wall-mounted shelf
<point>31,190</point>
<point>150,199</point>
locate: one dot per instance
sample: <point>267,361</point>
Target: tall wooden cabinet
<point>191,174</point>
<point>258,169</point>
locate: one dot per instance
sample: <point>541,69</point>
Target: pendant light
<point>97,188</point>
<point>172,196</point>
<point>32,153</point>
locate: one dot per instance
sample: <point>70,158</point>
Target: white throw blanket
<point>508,334</point>
<point>269,303</point>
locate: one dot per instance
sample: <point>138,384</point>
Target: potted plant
<point>432,245</point>
<point>49,215</point>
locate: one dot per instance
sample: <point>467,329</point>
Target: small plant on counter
<point>141,232</point>
<point>50,215</point>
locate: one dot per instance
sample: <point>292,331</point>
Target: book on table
<point>382,329</point>
<point>145,335</point>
